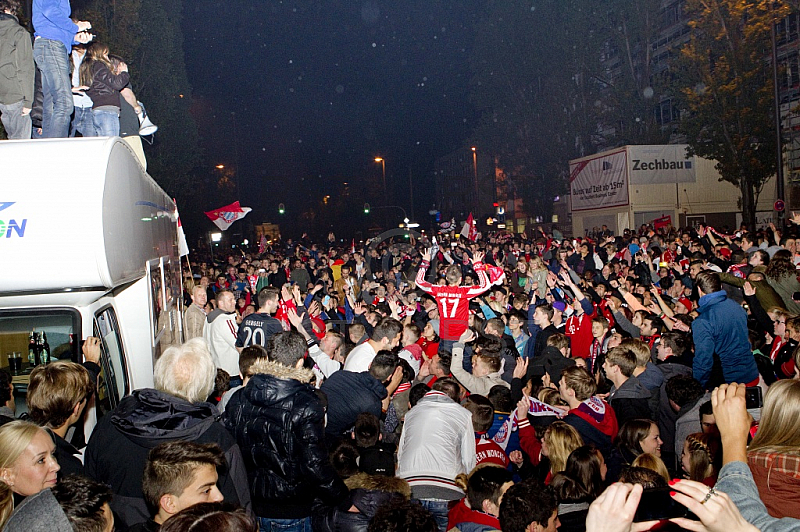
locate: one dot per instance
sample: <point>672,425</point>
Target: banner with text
<point>655,165</point>
<point>599,182</point>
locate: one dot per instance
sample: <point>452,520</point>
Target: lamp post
<point>776,94</point>
<point>475,172</point>
<point>383,172</point>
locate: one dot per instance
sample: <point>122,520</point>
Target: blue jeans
<point>106,123</point>
<point>51,58</point>
<point>265,524</point>
<point>83,123</point>
<point>439,509</point>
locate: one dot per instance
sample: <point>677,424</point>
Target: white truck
<point>88,247</point>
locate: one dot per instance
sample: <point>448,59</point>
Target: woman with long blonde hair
<point>774,454</point>
<point>559,440</point>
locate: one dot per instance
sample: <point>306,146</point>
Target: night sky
<point>304,94</point>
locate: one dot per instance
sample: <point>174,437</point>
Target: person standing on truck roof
<point>55,35</point>
<point>16,81</point>
<point>195,315</point>
<point>220,332</point>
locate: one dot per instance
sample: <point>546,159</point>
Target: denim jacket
<point>736,480</point>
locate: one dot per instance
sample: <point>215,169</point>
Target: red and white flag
<point>262,246</point>
<point>469,231</point>
<point>225,216</point>
<point>353,246</point>
<point>183,246</point>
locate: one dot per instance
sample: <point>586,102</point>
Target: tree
<point>728,93</point>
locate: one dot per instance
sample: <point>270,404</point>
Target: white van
<point>88,247</point>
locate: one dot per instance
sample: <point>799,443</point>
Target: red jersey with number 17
<point>453,301</point>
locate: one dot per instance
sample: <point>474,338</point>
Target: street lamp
<point>220,167</point>
<point>383,170</point>
<point>475,172</point>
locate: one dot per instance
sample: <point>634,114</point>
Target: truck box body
<point>88,247</point>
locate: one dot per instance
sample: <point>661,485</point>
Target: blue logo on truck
<point>12,227</point>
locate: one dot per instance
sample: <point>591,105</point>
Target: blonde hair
<point>536,264</point>
<point>779,429</point>
<point>652,462</point>
<point>639,349</point>
<point>15,437</point>
<point>6,503</point>
<point>561,440</point>
<point>550,396</point>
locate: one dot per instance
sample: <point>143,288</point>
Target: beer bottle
<point>32,348</point>
<point>37,351</point>
<point>45,349</point>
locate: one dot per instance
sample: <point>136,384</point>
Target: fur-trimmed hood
<point>267,367</point>
<point>379,483</point>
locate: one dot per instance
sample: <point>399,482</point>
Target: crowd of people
<point>58,83</point>
<point>510,383</point>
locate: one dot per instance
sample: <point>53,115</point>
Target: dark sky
<point>321,87</point>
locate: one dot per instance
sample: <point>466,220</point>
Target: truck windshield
<point>31,337</point>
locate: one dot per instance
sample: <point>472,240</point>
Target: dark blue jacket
<point>350,394</point>
<point>721,329</point>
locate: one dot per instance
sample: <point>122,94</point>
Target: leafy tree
<point>147,34</point>
<point>728,91</point>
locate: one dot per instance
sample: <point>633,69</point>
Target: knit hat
<point>559,306</point>
<point>725,252</point>
<point>686,303</point>
<point>435,325</point>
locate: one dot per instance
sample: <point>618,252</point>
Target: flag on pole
<point>469,231</point>
<point>225,216</point>
<point>353,246</point>
<point>262,246</point>
<point>183,247</point>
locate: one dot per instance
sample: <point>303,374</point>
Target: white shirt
<point>360,358</point>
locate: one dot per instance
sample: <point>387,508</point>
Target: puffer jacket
<point>349,394</point>
<point>277,420</point>
<point>367,493</point>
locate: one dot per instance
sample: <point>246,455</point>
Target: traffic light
<point>281,208</point>
<point>366,208</point>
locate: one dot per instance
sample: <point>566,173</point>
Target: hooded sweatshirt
<point>117,451</point>
<point>596,422</point>
<point>476,385</point>
<point>220,332</point>
<point>630,401</point>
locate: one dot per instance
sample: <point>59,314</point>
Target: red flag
<point>353,246</point>
<point>664,221</point>
<point>262,246</point>
<point>469,231</point>
<point>496,275</point>
<point>225,216</point>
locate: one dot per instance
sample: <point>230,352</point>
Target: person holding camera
<point>55,34</point>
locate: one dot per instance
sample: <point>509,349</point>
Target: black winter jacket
<point>349,394</point>
<point>106,85</point>
<point>117,451</point>
<point>367,493</point>
<point>277,420</point>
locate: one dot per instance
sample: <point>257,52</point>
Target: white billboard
<point>654,165</point>
<point>599,182</point>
